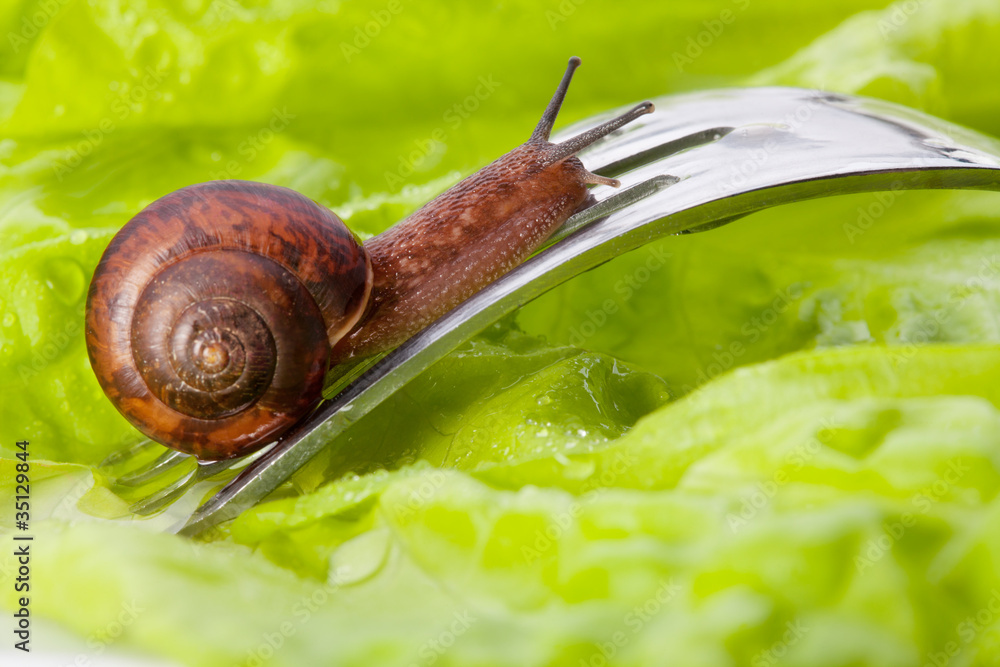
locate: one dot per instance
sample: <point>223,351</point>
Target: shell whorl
<point>218,340</point>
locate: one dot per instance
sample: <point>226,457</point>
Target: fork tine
<point>172,492</point>
<point>164,496</point>
<point>116,457</point>
<point>660,150</point>
<point>609,205</point>
<point>144,474</point>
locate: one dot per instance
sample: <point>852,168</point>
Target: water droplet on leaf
<point>65,277</point>
<point>360,558</point>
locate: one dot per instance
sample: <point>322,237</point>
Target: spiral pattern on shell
<point>211,315</point>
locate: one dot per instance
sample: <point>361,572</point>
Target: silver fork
<point>701,160</point>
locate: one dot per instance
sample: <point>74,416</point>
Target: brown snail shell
<point>211,315</point>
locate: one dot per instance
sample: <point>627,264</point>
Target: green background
<point>825,497</point>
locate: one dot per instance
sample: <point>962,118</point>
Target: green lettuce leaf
<point>881,502</point>
<point>775,443</point>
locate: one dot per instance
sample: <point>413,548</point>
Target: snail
<point>215,313</point>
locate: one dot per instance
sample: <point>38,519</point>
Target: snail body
<point>216,311</point>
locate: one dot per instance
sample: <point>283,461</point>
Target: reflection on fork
<point>700,161</point>
<point>153,477</point>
